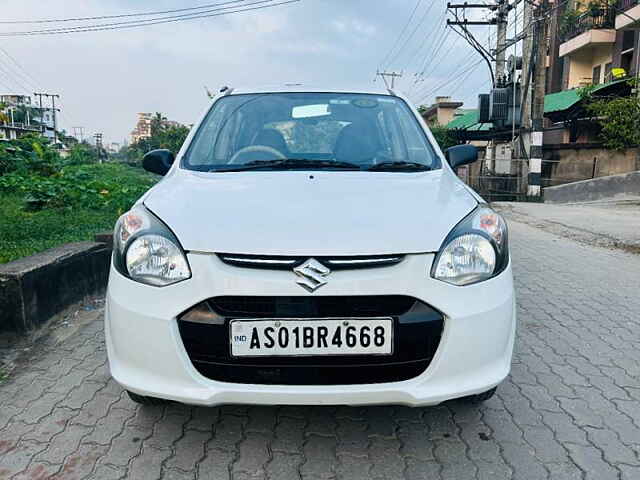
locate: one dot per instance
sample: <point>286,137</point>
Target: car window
<point>315,138</point>
<point>360,129</point>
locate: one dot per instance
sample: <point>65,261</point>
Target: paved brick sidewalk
<point>570,410</point>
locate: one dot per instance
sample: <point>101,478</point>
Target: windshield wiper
<point>399,166</point>
<point>289,163</point>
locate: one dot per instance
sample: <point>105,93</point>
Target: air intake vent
<point>277,262</point>
<point>499,104</point>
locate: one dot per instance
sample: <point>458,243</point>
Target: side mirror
<point>158,161</point>
<point>461,155</point>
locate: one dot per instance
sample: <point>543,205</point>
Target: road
<point>569,410</point>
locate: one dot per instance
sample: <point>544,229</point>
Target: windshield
<point>283,131</point>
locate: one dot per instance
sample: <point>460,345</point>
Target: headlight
<point>146,251</point>
<point>475,250</point>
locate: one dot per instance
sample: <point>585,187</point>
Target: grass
<point>24,232</point>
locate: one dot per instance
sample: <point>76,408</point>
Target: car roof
<point>308,88</point>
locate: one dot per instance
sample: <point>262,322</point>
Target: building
<point>18,117</point>
<point>589,40</point>
<point>113,147</point>
<point>592,43</point>
<point>441,112</point>
<point>142,128</point>
<point>15,100</point>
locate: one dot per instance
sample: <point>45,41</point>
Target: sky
<point>104,78</point>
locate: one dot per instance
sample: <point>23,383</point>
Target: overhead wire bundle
<point>141,19</point>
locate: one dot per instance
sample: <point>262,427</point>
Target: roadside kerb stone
<point>35,288</point>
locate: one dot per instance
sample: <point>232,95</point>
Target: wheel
<point>481,397</point>
<point>142,400</point>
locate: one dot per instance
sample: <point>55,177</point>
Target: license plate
<point>298,337</point>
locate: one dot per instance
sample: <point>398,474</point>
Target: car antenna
<point>226,90</point>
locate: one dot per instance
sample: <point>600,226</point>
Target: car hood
<point>311,213</point>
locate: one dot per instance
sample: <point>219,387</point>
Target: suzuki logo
<point>312,274</point>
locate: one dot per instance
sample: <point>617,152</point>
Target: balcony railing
<point>627,4</point>
<point>21,126</point>
<point>597,18</point>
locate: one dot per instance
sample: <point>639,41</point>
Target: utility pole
<point>500,19</point>
<point>53,97</point>
<point>55,121</point>
<point>98,137</point>
<point>78,132</point>
<point>42,125</point>
<point>392,75</point>
<point>527,62</point>
<point>501,37</point>
<point>539,90</point>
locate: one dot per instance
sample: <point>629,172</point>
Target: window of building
<point>625,61</point>
<point>595,79</point>
<point>628,39</point>
<point>607,72</point>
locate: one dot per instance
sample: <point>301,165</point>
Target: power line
<point>460,69</point>
<point>392,75</point>
<point>105,17</point>
<point>426,39</point>
<point>429,66</point>
<point>404,29</point>
<point>413,32</point>
<point>469,70</point>
<point>26,75</point>
<point>463,64</point>
<point>432,59</point>
<point>463,75</point>
<point>429,61</point>
<point>131,23</point>
<point>434,53</point>
<point>143,23</point>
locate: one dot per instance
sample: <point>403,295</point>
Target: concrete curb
<point>610,187</point>
<point>35,288</point>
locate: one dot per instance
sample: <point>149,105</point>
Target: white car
<point>310,246</point>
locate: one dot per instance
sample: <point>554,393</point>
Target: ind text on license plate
<point>271,337</point>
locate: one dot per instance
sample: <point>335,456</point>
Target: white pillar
<point>535,162</point>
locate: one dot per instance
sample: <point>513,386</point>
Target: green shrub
<point>81,154</point>
<point>47,200</point>
<point>38,212</point>
<point>443,136</point>
<point>98,186</point>
<point>617,117</point>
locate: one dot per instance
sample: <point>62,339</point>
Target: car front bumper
<point>148,357</point>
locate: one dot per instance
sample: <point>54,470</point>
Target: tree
<point>618,117</point>
<point>163,135</point>
<point>158,124</point>
<point>443,136</point>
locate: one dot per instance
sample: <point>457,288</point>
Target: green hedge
<point>47,200</point>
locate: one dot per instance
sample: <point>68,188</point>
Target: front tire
<point>142,400</point>
<point>481,397</point>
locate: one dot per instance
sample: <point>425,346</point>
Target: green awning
<point>468,121</point>
<point>557,102</point>
<point>560,101</point>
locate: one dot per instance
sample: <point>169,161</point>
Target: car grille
<point>313,307</point>
<point>204,330</point>
<point>277,262</point>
